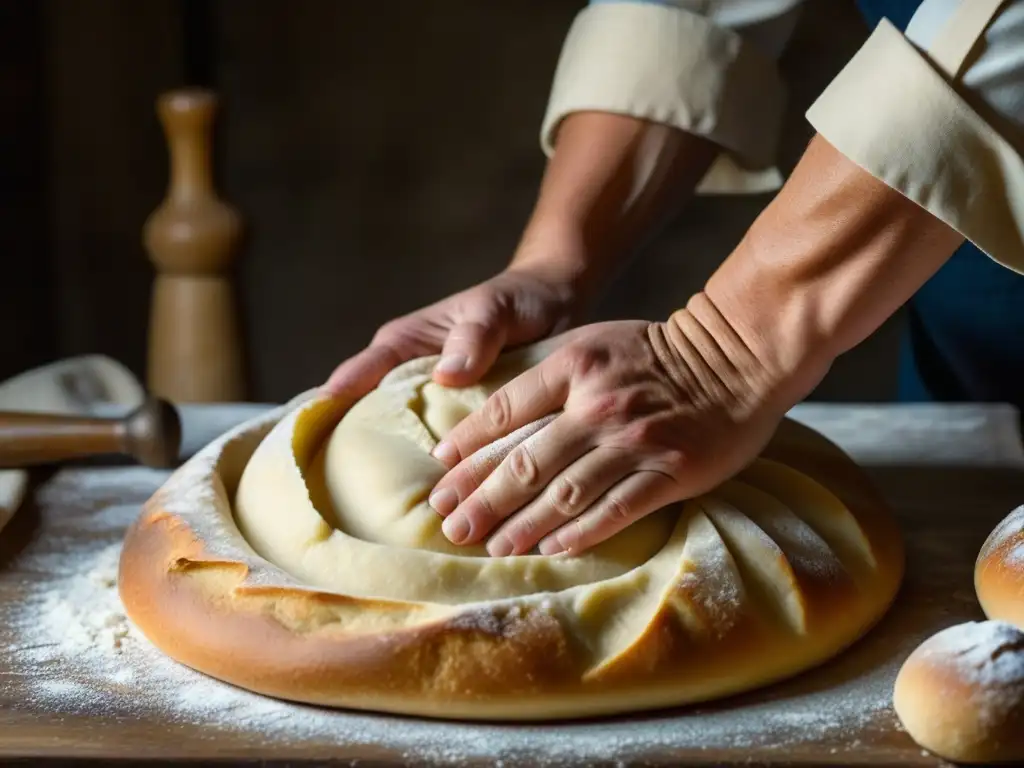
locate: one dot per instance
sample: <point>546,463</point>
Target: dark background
<point>382,154</point>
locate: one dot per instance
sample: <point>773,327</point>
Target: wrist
<point>827,262</point>
<point>613,178</point>
<point>751,378</point>
<point>556,252</point>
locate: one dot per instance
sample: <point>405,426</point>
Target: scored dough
<point>297,556</point>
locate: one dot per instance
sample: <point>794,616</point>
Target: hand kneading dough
<point>296,556</point>
<point>961,693</point>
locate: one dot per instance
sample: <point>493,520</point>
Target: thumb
<point>469,352</point>
<point>358,375</point>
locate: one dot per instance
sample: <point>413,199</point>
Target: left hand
<point>647,414</point>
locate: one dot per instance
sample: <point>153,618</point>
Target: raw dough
<point>368,486</point>
<point>303,562</point>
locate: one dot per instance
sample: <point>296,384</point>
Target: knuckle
<point>565,497</point>
<point>467,332</point>
<point>619,406</point>
<point>476,472</point>
<point>587,360</point>
<point>523,533</point>
<point>601,408</point>
<point>522,466</point>
<point>573,535</point>
<point>498,411</point>
<point>674,460</point>
<point>479,510</point>
<point>642,433</point>
<point>390,331</point>
<point>616,511</point>
<point>632,401</point>
<point>466,479</point>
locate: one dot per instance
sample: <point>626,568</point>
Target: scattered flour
<point>70,649</point>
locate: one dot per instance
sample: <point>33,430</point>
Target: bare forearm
<point>612,179</point>
<point>833,256</point>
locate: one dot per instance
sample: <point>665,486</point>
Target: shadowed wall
<point>382,156</point>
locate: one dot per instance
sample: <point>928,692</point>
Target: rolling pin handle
<point>152,434</point>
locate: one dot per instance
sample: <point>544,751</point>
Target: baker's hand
<point>646,414</point>
<point>468,329</point>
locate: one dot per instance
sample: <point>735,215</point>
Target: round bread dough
<point>999,571</point>
<point>961,693</point>
<point>297,557</point>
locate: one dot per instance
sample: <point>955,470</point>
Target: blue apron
<point>964,339</point>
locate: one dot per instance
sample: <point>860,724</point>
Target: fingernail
<point>550,547</point>
<point>444,501</point>
<point>456,528</point>
<point>499,546</point>
<point>447,454</point>
<point>451,364</point>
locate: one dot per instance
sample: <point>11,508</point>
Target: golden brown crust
<point>999,571</point>
<point>192,585</point>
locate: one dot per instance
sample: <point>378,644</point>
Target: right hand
<point>469,330</point>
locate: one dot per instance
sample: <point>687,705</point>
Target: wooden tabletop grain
<point>950,475</point>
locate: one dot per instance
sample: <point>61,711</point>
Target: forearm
<point>833,256</point>
<point>610,182</point>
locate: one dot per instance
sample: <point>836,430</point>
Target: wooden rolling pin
<point>151,435</point>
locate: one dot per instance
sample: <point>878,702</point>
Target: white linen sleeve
<point>707,67</point>
<point>938,114</point>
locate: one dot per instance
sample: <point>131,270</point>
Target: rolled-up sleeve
<point>947,132</point>
<point>704,66</point>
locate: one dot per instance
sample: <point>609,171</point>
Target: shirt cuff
<point>894,115</point>
<point>674,67</point>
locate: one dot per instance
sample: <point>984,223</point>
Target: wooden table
<point>77,682</point>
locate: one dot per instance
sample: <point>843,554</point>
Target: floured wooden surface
<point>77,680</point>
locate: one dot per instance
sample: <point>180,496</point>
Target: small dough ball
<point>960,694</point>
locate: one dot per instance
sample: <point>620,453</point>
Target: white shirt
<point>950,140</point>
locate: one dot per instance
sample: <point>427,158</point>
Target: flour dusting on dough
<point>987,657</point>
<point>1008,529</point>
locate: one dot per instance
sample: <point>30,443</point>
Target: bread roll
<point>961,693</point>
<point>999,572</point>
<point>296,557</point>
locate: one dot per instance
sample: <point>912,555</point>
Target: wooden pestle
<point>151,434</point>
<point>194,342</point>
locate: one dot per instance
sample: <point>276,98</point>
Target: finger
<point>566,497</point>
<point>467,476</point>
<point>360,374</point>
<point>469,351</point>
<point>520,477</point>
<point>538,392</point>
<point>626,502</point>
